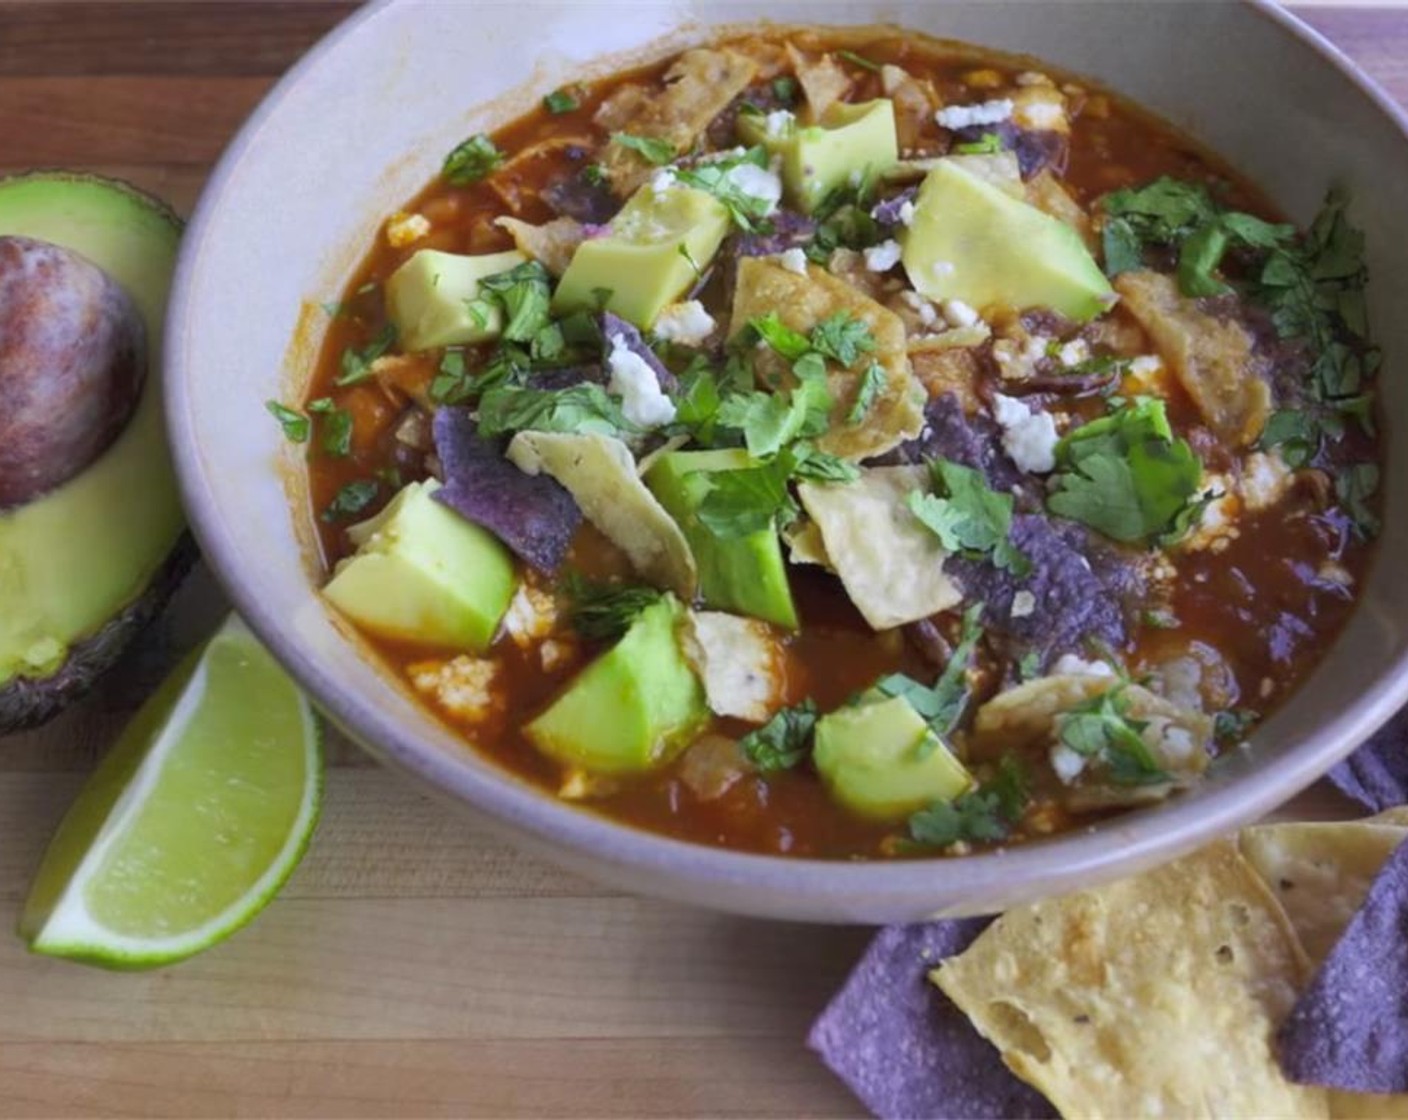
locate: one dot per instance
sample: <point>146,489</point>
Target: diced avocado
<point>973,242</point>
<point>84,566</point>
<point>741,574</point>
<point>880,760</point>
<point>650,257</point>
<point>851,143</point>
<point>423,574</point>
<point>431,298</point>
<point>632,708</point>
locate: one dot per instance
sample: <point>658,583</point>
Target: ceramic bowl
<point>363,122</point>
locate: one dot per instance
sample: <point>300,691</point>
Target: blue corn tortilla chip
<point>974,441</point>
<point>532,514</point>
<point>614,327</point>
<point>1036,150</point>
<point>904,1049</point>
<point>1376,775</point>
<point>888,213</point>
<point>788,231</point>
<point>1349,1029</point>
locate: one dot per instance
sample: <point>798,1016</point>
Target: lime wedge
<point>192,822</point>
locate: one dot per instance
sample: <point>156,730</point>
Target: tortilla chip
<point>740,662</point>
<point>1320,871</point>
<point>552,244</point>
<point>601,474</point>
<point>890,564</point>
<point>804,544</point>
<point>1349,1029</point>
<point>698,87</point>
<point>801,302</point>
<point>1376,775</point>
<point>824,82</point>
<point>1155,996</point>
<point>903,1048</point>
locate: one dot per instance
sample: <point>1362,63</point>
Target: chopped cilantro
<point>1231,725</point>
<point>1126,475</point>
<point>357,363</point>
<point>844,221</point>
<point>988,144</point>
<point>689,259</point>
<point>294,424</point>
<point>858,60</point>
<point>985,814</point>
<point>1355,486</point>
<point>785,89</point>
<point>583,408</point>
<point>594,174</point>
<point>563,100</point>
<point>472,160</point>
<point>652,149</point>
<point>941,705</point>
<point>821,466</point>
<point>1029,667</point>
<point>525,293</point>
<point>843,337</point>
<point>748,500</point>
<point>784,741</point>
<point>1100,729</point>
<point>604,611</point>
<point>872,381</point>
<point>1294,434</point>
<point>969,517</point>
<point>336,429</point>
<point>749,211</point>
<point>782,338</point>
<point>351,500</point>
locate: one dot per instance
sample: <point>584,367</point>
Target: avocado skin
<point>27,702</point>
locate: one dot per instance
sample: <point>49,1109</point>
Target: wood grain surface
<point>416,964</point>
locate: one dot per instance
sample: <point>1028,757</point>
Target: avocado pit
<point>73,357</point>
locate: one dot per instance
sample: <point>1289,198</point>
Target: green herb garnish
<point>749,500</point>
<point>1355,486</point>
<point>351,500</point>
<point>525,293</point>
<point>859,60</point>
<point>785,89</point>
<point>563,100</point>
<point>652,149</point>
<point>969,517</point>
<point>941,705</point>
<point>983,815</point>
<point>988,144</point>
<point>782,742</point>
<point>843,337</point>
<point>749,211</point>
<point>472,160</point>
<point>1100,729</point>
<point>872,381</point>
<point>1231,725</point>
<point>336,428</point>
<point>585,408</point>
<point>602,612</point>
<point>294,424</point>
<point>357,363</point>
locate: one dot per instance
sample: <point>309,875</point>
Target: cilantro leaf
<point>988,144</point>
<point>789,343</point>
<point>983,815</point>
<point>858,60</point>
<point>357,363</point>
<point>524,292</point>
<point>843,337</point>
<point>871,382</point>
<point>351,500</point>
<point>969,517</point>
<point>472,160</point>
<point>651,148</point>
<point>562,100</point>
<point>1126,475</point>
<point>294,424</point>
<point>1295,434</point>
<point>1355,486</point>
<point>748,500</point>
<point>605,611</point>
<point>768,421</point>
<point>336,428</point>
<point>941,705</point>
<point>1231,725</point>
<point>785,89</point>
<point>821,466</point>
<point>784,741</point>
<point>717,177</point>
<point>583,408</point>
<point>1100,729</point>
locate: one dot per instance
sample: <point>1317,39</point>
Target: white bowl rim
<point>1066,862</point>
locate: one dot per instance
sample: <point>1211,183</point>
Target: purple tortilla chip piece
<point>902,1046</point>
<point>1349,1029</point>
<point>1376,775</point>
<point>1036,149</point>
<point>613,326</point>
<point>974,441</point>
<point>532,514</point>
<point>887,213</point>
<point>564,377</point>
<point>574,197</point>
<point>789,231</point>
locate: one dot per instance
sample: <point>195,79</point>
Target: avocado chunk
<point>658,244</point>
<point>85,565</point>
<point>852,143</point>
<point>972,241</point>
<point>745,575</point>
<point>880,760</point>
<point>633,708</point>
<point>423,574</point>
<point>432,298</point>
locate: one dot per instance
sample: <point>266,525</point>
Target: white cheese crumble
<point>778,124</point>
<point>686,323</point>
<point>1023,604</point>
<point>1039,115</point>
<point>404,229</point>
<point>927,312</point>
<point>531,615</point>
<point>1265,480</point>
<point>1216,528</point>
<point>1069,665</point>
<point>1066,763</point>
<point>907,214</point>
<point>462,687</point>
<point>967,116</point>
<point>793,260</point>
<point>663,180</point>
<point>882,257</point>
<point>759,182</point>
<point>959,314</point>
<point>1029,437</point>
<point>1074,352</point>
<point>555,653</point>
<point>642,400</point>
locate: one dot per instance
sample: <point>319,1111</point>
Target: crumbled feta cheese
<point>959,314</point>
<point>1032,78</point>
<point>1265,480</point>
<point>1216,528</point>
<point>778,124</point>
<point>759,182</point>
<point>1066,763</point>
<point>907,215</point>
<point>940,269</point>
<point>1175,743</point>
<point>1074,352</point>
<point>723,154</point>
<point>927,312</point>
<point>531,614</point>
<point>1023,604</point>
<point>1040,115</point>
<point>663,180</point>
<point>643,402</point>
<point>462,687</point>
<point>404,229</point>
<point>967,116</point>
<point>1029,437</point>
<point>1146,374</point>
<point>1068,664</point>
<point>882,257</point>
<point>686,323</point>
<point>555,653</point>
<point>793,260</point>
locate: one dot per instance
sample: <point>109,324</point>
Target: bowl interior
<point>364,121</point>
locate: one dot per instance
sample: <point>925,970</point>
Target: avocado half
<point>86,565</point>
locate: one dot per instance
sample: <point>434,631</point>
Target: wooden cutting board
<point>416,964</point>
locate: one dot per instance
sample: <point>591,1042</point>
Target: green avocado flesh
<point>424,574</point>
<point>880,760</point>
<point>431,298</point>
<point>745,575</point>
<point>75,559</point>
<point>972,241</point>
<point>853,143</point>
<point>633,707</point>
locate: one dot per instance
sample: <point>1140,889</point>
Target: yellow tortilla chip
<point>824,82</point>
<point>600,473</point>
<point>1155,996</point>
<point>801,302</point>
<point>552,243</point>
<point>890,564</point>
